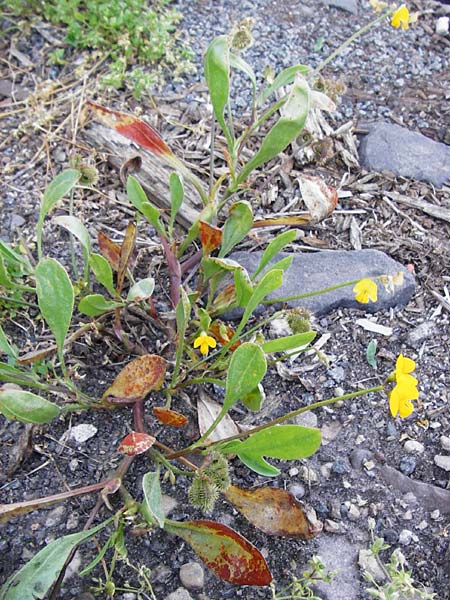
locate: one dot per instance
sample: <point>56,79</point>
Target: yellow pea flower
<point>400,398</point>
<point>365,290</point>
<point>204,342</point>
<point>403,369</point>
<point>401,18</point>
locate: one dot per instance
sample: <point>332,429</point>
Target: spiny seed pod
<point>241,35</point>
<point>299,320</point>
<point>203,492</point>
<point>218,471</point>
<point>89,175</point>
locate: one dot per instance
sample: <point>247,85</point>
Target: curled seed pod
<point>203,492</point>
<point>218,471</point>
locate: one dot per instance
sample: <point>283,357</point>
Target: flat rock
<point>431,496</point>
<point>389,147</point>
<point>350,6</point>
<point>314,271</point>
<point>442,461</point>
<point>340,554</point>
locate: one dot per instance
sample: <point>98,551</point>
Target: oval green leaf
<point>102,271</point>
<point>141,290</point>
<point>26,407</point>
<point>96,304</point>
<point>152,498</point>
<point>247,368</point>
<point>76,228</point>
<point>217,75</point>
<point>289,342</point>
<point>236,227</point>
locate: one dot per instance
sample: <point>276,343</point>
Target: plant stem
<point>138,415</point>
<point>311,294</point>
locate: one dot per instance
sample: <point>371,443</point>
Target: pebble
<point>339,467</point>
<point>192,576</point>
<point>408,465</point>
<point>17,221</point>
<point>445,442</point>
<point>391,431</point>
<point>405,537</point>
<point>297,490</point>
<point>72,521</point>
<point>435,515</point>
<point>82,433</point>
<point>369,563</point>
<point>414,447</point>
<point>443,462</point>
<point>419,334</point>
<point>353,512</point>
<point>338,374</point>
<point>179,594</point>
<point>331,526</point>
<point>410,499</point>
<point>308,474</point>
<point>325,470</point>
<point>359,456</point>
<point>335,508</point>
<point>55,516</point>
<point>390,535</point>
<point>129,596</point>
<point>442,25</point>
<point>408,516</point>
<point>422,525</point>
<point>306,419</point>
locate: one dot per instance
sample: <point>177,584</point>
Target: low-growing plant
<point>198,347</point>
<point>138,38</point>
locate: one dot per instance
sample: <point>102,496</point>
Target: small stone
<point>410,499</point>
<point>414,447</point>
<point>293,472</point>
<point>331,526</point>
<point>308,474</point>
<point>321,508</point>
<point>408,516</point>
<point>443,462</point>
<point>179,594</point>
<point>55,516</point>
<point>369,465</point>
<point>350,6</point>
<point>390,535</point>
<point>405,537</point>
<point>435,515</point>
<point>72,521</point>
<point>442,25</point>
<point>335,508</point>
<point>360,440</point>
<point>17,221</point>
<point>422,332</point>
<point>82,433</point>
<point>129,596</point>
<point>339,467</point>
<point>73,465</point>
<point>391,431</point>
<point>338,374</point>
<point>422,525</point>
<point>192,576</point>
<point>306,419</point>
<point>330,431</point>
<point>445,442</point>
<point>297,490</point>
<point>359,456</point>
<point>408,465</point>
<point>325,470</point>
<point>353,512</point>
<point>369,563</point>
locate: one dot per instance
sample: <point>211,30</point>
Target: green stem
<point>315,293</point>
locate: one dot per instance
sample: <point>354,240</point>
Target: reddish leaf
<point>132,128</point>
<point>226,297</point>
<point>169,417</point>
<point>138,378</point>
<point>109,250</point>
<point>274,511</point>
<point>126,251</point>
<point>223,333</point>
<point>226,552</point>
<point>136,443</point>
<point>210,237</point>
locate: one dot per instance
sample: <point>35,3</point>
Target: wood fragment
<point>437,212</point>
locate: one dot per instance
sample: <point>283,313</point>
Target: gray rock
<point>350,6</point>
<point>314,271</point>
<point>353,512</point>
<point>408,465</point>
<point>359,456</point>
<point>369,563</point>
<point>340,554</point>
<point>17,221</point>
<point>421,333</point>
<point>306,419</point>
<point>179,594</point>
<point>192,576</point>
<point>338,374</point>
<point>405,537</point>
<point>431,496</point>
<point>445,442</point>
<point>55,516</point>
<point>414,447</point>
<point>389,147</point>
<point>297,490</point>
<point>443,462</point>
<point>339,467</point>
<point>82,433</point>
<point>331,526</point>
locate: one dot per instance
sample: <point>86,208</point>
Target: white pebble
<point>414,447</point>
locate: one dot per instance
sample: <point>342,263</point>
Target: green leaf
<point>176,196</point>
<point>11,256</point>
<point>217,75</point>
<point>76,228</point>
<point>26,407</point>
<point>286,442</point>
<point>236,227</point>
<point>268,283</point>
<point>96,304</point>
<point>5,279</point>
<point>153,500</point>
<point>37,576</point>
<point>12,374</point>
<point>284,78</point>
<point>55,298</point>
<point>283,264</point>
<point>243,287</point>
<point>102,271</point>
<point>275,246</point>
<point>141,290</point>
<point>182,314</point>
<point>5,346</point>
<point>289,342</point>
<point>58,188</point>
<point>139,200</point>
<point>254,399</point>
<point>247,368</point>
<point>371,354</point>
<point>286,129</point>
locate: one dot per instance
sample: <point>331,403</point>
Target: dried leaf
<point>208,411</point>
<point>136,443</point>
<point>291,221</point>
<point>126,251</point>
<point>224,551</point>
<point>169,417</point>
<point>210,237</point>
<point>109,249</point>
<point>274,511</point>
<point>223,333</point>
<point>320,198</point>
<point>138,378</point>
<point>110,488</point>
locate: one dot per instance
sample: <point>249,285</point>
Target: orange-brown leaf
<point>136,443</point>
<point>169,417</point>
<point>274,511</point>
<point>138,378</point>
<point>293,221</point>
<point>223,333</point>
<point>210,237</point>
<point>132,128</point>
<point>225,298</point>
<point>109,250</point>
<point>126,251</point>
<point>226,552</point>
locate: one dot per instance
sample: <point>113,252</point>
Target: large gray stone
<point>350,6</point>
<point>339,554</point>
<point>389,147</point>
<point>317,270</point>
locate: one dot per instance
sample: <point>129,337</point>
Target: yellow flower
<point>401,18</point>
<point>400,398</point>
<point>204,342</point>
<point>365,290</point>
<point>403,369</point>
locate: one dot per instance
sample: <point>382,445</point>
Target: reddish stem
<point>174,272</point>
<point>138,415</point>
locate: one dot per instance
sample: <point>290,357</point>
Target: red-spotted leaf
<point>229,555</point>
<point>274,511</point>
<point>169,417</point>
<point>136,443</point>
<point>138,378</point>
<point>210,237</point>
<point>132,128</point>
